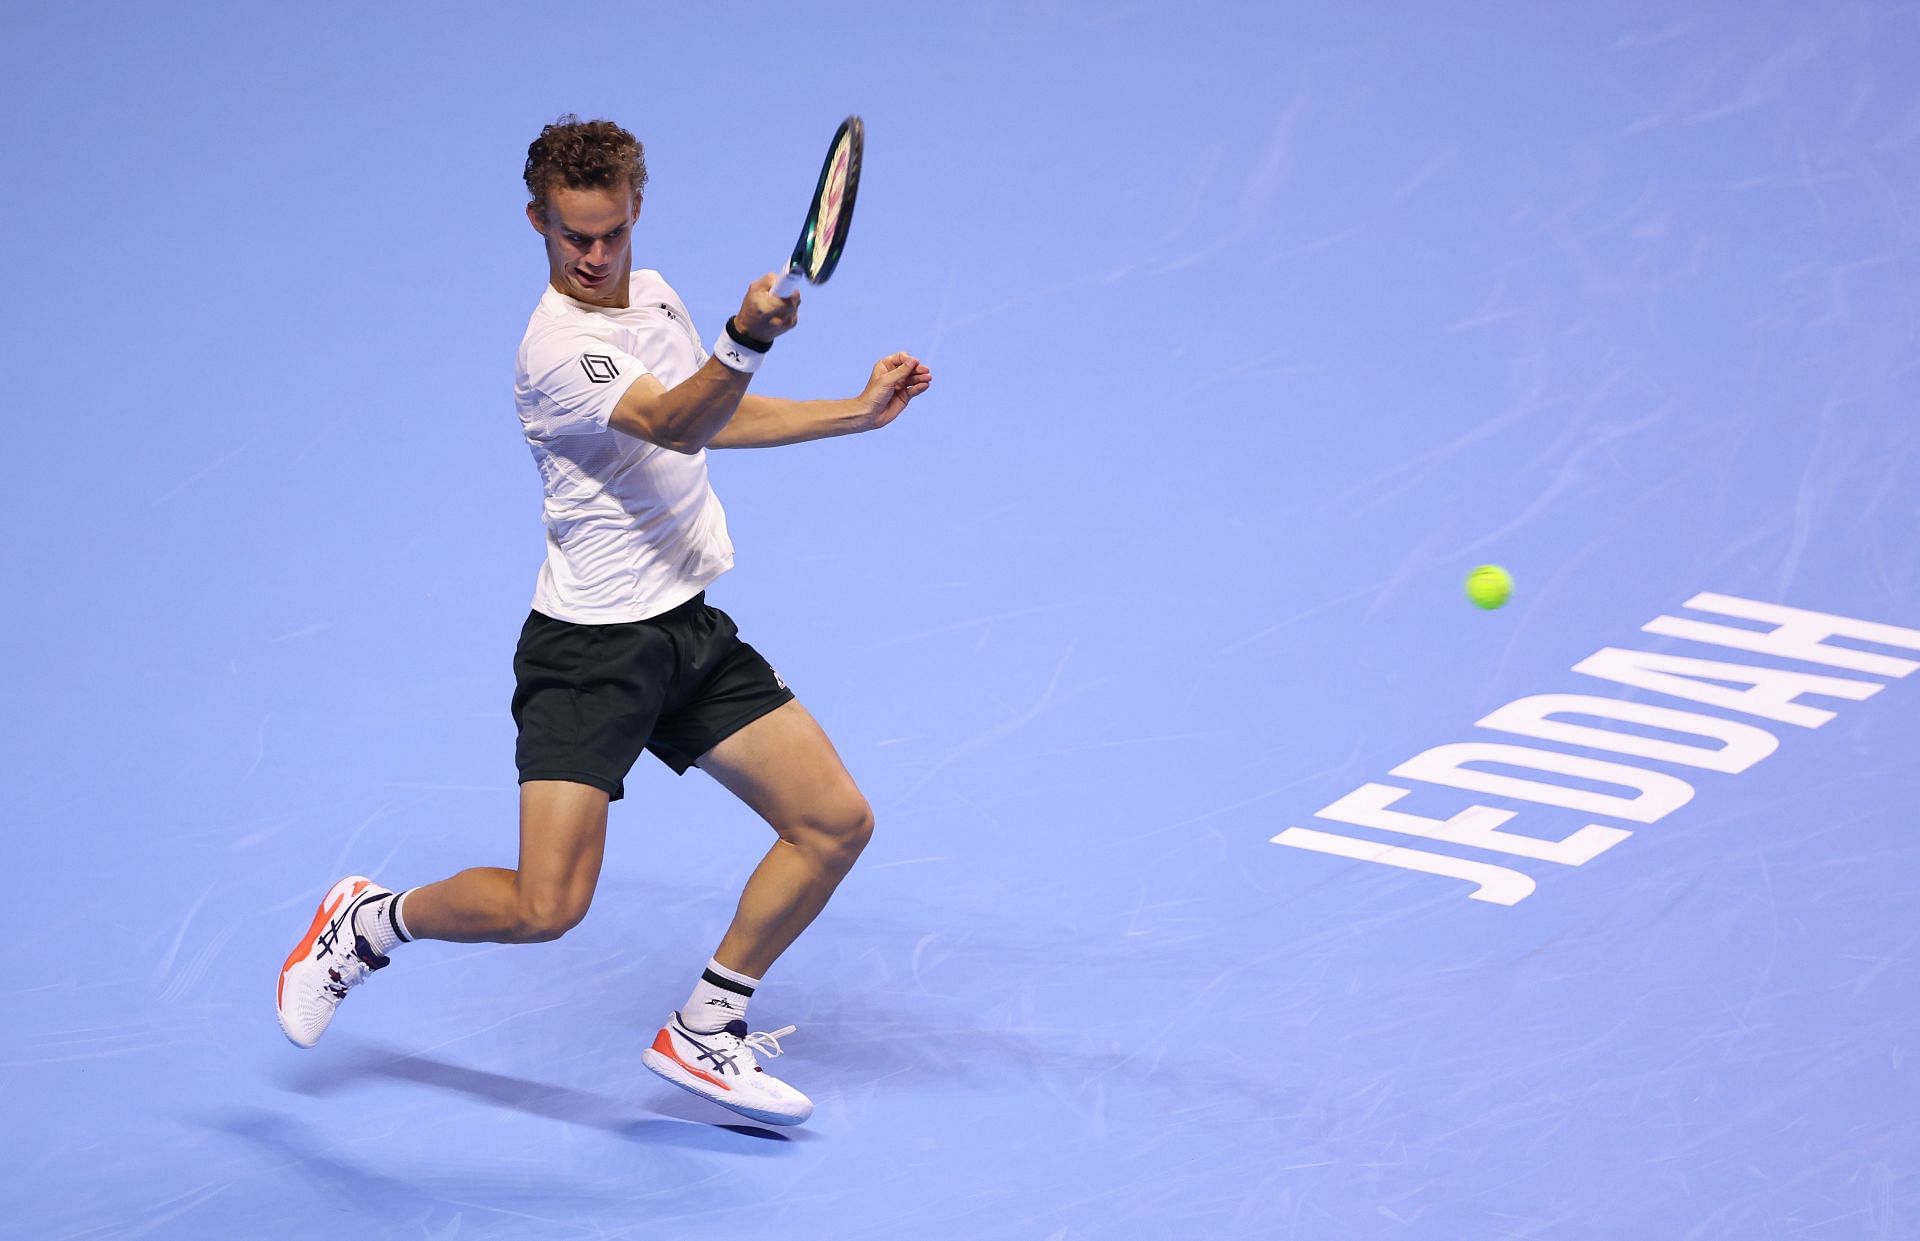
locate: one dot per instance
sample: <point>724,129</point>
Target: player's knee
<point>839,832</point>
<point>545,917</point>
<point>860,827</point>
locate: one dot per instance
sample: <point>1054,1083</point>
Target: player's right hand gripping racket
<point>825,233</point>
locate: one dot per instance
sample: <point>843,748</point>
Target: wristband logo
<point>599,367</point>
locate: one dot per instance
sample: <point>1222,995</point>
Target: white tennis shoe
<point>328,962</point>
<point>722,1067</point>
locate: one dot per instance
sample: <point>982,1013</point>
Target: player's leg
<point>563,830</point>
<point>563,838</point>
<point>585,698</point>
<point>784,767</point>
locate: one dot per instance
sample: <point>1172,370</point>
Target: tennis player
<point>619,402</point>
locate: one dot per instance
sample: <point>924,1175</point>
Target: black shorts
<point>588,698</point>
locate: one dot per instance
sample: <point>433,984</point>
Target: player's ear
<point>537,218</point>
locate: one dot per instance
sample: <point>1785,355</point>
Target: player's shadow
<point>678,1123</point>
<point>291,1145</point>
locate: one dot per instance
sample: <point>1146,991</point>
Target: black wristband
<point>745,341</point>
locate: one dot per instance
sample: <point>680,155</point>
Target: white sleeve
<point>582,379</point>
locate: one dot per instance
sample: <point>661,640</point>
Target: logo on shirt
<point>599,367</point>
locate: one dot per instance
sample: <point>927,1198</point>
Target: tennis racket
<point>831,213</point>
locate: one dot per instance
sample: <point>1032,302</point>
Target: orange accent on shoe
<point>320,919</point>
<point>663,1043</point>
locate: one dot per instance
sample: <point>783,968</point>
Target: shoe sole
<point>338,896</point>
<point>670,1069</point>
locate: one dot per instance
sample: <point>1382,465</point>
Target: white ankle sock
<point>380,923</point>
<point>720,996</point>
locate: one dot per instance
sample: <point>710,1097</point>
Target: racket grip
<point>785,285</point>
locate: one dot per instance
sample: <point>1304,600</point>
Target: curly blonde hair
<point>583,155</point>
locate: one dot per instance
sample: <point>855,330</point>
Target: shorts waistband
<point>698,601</point>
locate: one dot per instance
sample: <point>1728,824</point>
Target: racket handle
<point>789,280</point>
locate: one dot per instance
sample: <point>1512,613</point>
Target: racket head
<point>830,215</point>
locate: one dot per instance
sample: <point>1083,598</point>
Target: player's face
<point>589,235</point>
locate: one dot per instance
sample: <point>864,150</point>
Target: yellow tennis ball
<point>1489,586</point>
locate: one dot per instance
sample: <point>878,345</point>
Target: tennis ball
<point>1489,586</point>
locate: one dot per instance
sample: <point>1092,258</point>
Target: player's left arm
<point>770,421</point>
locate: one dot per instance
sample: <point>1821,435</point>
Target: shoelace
<point>348,969</point>
<point>769,1044</point>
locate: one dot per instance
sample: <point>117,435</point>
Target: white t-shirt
<point>633,529</point>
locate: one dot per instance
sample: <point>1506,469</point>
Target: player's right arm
<point>686,417</point>
<point>597,387</point>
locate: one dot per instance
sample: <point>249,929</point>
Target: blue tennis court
<point>1235,876</point>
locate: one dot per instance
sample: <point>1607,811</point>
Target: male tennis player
<point>619,403</point>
